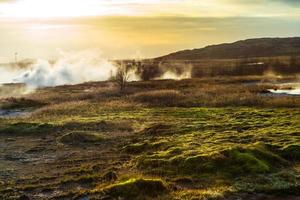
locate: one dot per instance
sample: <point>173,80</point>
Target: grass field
<point>213,138</point>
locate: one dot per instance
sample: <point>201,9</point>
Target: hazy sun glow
<point>54,8</point>
<point>126,28</point>
<point>79,8</point>
<point>195,8</point>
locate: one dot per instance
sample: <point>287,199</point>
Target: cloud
<point>122,37</point>
<point>249,2</point>
<point>195,8</point>
<point>291,2</point>
<point>7,1</point>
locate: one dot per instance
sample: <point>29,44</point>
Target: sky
<point>137,28</point>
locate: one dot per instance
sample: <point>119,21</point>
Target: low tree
<point>122,76</point>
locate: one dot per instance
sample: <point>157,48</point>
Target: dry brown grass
<point>159,97</point>
<point>66,108</point>
<point>218,95</point>
<point>120,105</point>
<point>213,92</point>
<point>64,94</point>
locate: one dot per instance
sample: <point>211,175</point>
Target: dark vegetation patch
<point>20,103</point>
<point>27,128</point>
<point>160,129</point>
<point>81,137</point>
<point>291,152</point>
<point>90,180</point>
<point>136,189</point>
<point>138,148</point>
<point>103,126</point>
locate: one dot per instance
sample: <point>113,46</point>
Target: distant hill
<point>262,47</point>
<point>22,64</point>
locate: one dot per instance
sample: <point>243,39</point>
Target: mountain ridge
<point>254,47</point>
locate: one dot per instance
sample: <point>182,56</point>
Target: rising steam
<point>75,68</point>
<point>71,68</point>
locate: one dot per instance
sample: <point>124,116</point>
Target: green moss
<point>81,137</point>
<point>247,162</point>
<point>227,163</point>
<point>136,189</point>
<point>159,130</point>
<point>237,161</point>
<point>105,126</point>
<point>138,148</point>
<point>210,145</point>
<point>24,128</point>
<point>201,164</point>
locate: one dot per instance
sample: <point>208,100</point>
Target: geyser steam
<point>71,68</point>
<point>84,66</point>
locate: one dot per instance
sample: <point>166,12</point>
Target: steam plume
<point>79,67</point>
<point>71,68</point>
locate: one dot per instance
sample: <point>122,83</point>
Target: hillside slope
<point>262,47</point>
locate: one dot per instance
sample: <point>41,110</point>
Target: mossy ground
<point>129,149</point>
<point>136,189</point>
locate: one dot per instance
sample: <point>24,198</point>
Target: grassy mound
<point>22,128</point>
<point>159,129</point>
<point>256,159</point>
<point>81,137</point>
<point>26,128</point>
<point>234,161</point>
<point>136,189</point>
<point>145,147</point>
